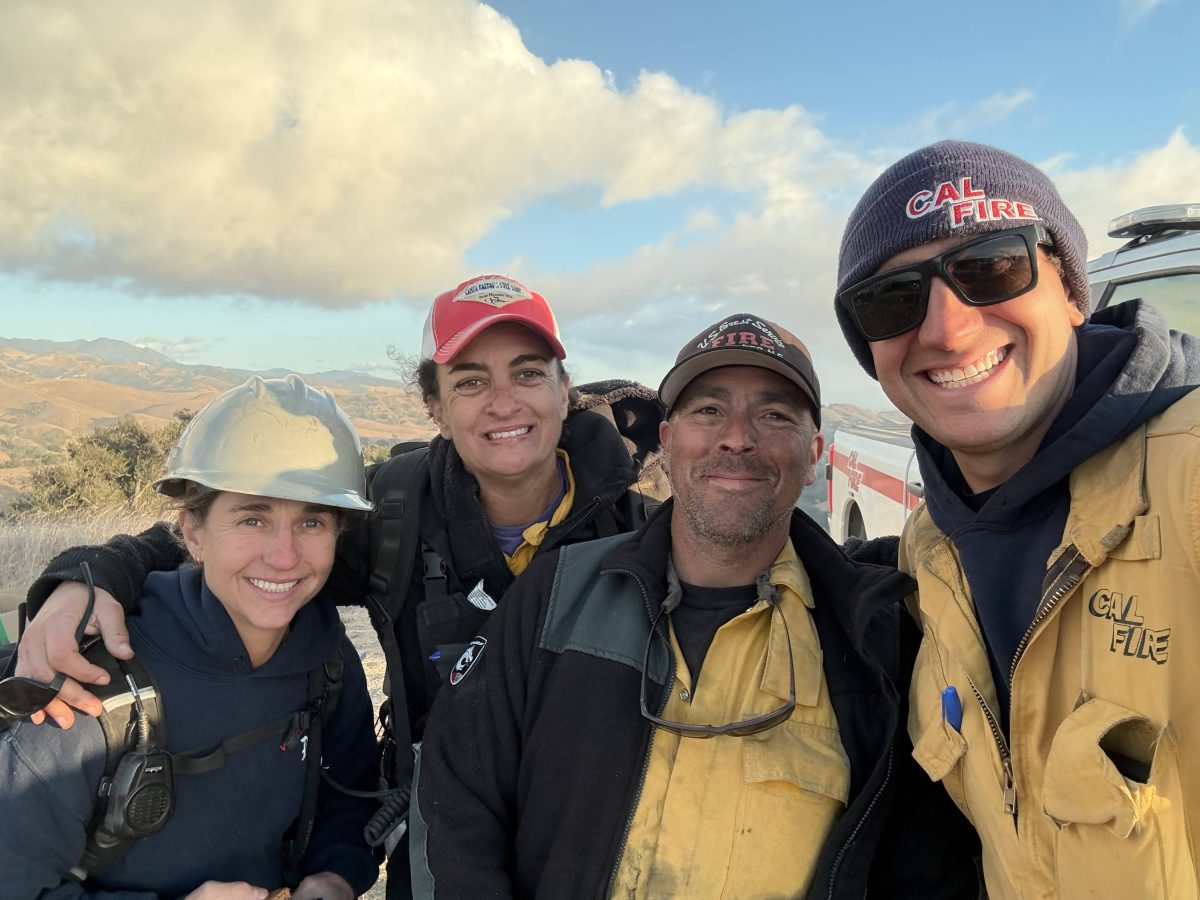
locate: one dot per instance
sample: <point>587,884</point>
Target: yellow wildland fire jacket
<point>1095,791</point>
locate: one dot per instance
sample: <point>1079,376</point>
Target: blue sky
<point>288,184</point>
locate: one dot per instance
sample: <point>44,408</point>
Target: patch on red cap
<point>495,292</point>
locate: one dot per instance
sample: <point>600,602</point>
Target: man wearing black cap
<point>568,757</point>
<point>1058,549</point>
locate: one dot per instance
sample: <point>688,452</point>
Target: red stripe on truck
<point>861,475</point>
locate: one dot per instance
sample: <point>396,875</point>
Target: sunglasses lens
<point>992,271</point>
<point>889,305</point>
<point>21,697</point>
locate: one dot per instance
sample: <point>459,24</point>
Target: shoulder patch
<point>467,661</point>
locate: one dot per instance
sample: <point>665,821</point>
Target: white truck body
<point>872,474</point>
<point>873,480</point>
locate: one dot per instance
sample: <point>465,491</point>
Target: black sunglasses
<point>21,696</point>
<point>742,727</point>
<point>990,269</point>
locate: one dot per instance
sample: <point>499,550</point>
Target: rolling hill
<point>52,391</point>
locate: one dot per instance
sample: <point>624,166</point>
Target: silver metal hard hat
<point>274,437</point>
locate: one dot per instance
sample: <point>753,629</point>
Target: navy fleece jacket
<point>228,824</point>
<point>1131,367</point>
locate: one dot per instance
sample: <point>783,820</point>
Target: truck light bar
<point>1153,219</point>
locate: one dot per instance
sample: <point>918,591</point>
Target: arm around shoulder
<point>119,566</point>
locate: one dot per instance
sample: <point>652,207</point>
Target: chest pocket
<point>796,785</point>
<point>937,747</point>
<point>1113,791</point>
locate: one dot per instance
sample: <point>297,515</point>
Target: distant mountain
<point>107,349</point>
<point>837,415</point>
<point>51,391</point>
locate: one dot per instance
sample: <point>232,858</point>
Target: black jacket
<point>531,769</point>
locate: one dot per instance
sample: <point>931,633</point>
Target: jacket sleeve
<point>119,566</point>
<point>880,551</point>
<point>47,781</point>
<point>464,817</point>
<point>348,751</point>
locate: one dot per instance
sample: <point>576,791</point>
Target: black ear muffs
<point>141,795</point>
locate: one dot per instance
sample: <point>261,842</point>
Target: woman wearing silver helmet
<point>246,686</point>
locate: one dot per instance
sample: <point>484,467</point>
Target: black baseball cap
<point>743,339</point>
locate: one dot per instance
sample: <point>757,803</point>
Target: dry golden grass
<point>28,544</point>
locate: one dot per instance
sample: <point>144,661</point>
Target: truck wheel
<point>855,527</point>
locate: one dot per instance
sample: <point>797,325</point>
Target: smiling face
<point>502,401</point>
<point>740,446</point>
<point>985,382</point>
<point>263,559</point>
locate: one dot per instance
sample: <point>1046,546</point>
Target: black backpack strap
<point>324,690</point>
<point>397,489</point>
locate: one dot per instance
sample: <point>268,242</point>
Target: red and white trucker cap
<point>459,315</point>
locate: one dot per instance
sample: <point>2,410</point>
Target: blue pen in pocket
<point>952,708</point>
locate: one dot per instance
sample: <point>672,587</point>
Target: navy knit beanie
<point>952,188</point>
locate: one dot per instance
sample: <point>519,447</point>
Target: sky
<point>288,183</point>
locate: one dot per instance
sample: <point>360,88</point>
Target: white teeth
<point>972,373</point>
<point>500,435</point>
<point>274,587</point>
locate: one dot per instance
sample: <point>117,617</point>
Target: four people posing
<point>567,756</point>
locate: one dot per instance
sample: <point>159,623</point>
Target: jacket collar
<point>864,589</point>
<point>1107,494</point>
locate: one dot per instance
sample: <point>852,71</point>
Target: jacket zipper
<point>1061,578</point>
<point>862,820</point>
<point>637,795</point>
<point>1010,784</point>
<point>837,860</point>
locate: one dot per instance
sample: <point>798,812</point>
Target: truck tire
<point>855,527</point>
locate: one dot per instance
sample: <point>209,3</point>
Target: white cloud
<point>956,120</point>
<point>185,350</point>
<point>1133,11</point>
<point>1097,194</point>
<point>327,151</point>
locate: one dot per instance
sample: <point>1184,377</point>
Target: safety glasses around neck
<point>986,270</point>
<point>742,727</point>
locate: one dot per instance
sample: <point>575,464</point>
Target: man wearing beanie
<point>711,707</point>
<point>1057,553</point>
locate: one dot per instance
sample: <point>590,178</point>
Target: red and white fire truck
<point>872,474</point>
<point>873,480</point>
